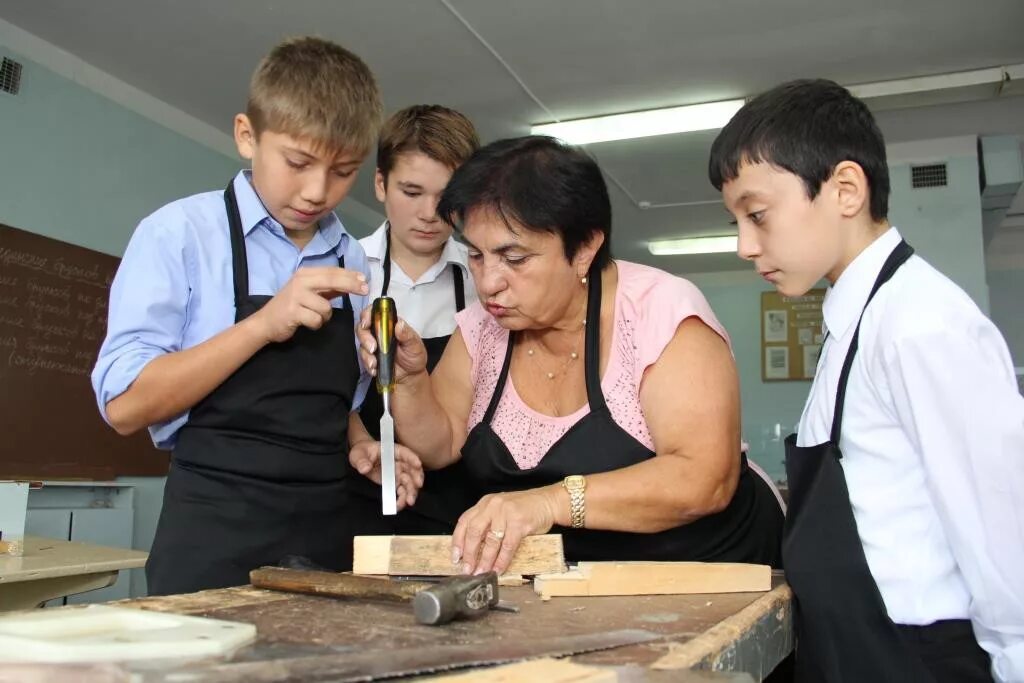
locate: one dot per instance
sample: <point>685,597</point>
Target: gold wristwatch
<point>575,484</point>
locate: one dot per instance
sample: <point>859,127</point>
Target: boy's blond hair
<point>443,134</point>
<point>315,89</point>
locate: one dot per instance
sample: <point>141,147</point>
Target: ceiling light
<point>693,245</point>
<point>642,124</point>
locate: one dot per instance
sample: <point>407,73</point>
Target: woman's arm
<point>690,398</point>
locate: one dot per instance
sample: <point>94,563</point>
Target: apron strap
<point>239,260</point>
<point>897,258</point>
<point>460,288</point>
<point>499,386</point>
<point>386,264</point>
<point>592,341</point>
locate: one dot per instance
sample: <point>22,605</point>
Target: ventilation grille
<point>930,175</point>
<point>10,76</point>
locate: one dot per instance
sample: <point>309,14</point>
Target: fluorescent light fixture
<point>693,245</point>
<point>642,124</point>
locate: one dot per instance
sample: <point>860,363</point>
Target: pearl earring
<point>583,279</point>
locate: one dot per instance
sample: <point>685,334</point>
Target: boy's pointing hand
<point>306,301</point>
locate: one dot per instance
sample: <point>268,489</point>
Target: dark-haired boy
<point>905,526</point>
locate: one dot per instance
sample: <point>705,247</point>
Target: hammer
<point>433,602</point>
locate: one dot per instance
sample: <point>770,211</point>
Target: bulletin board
<point>791,335</point>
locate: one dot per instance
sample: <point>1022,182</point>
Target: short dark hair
<point>443,134</point>
<point>537,182</point>
<point>806,127</point>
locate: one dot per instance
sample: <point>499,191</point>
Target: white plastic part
<point>101,633</point>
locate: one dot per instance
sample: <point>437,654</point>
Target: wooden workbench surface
<point>315,638</point>
<point>46,558</point>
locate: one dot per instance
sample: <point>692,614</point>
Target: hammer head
<point>456,596</point>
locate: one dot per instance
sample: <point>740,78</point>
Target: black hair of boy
<point>806,127</point>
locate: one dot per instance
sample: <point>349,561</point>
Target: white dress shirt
<point>933,449</point>
<point>429,303</point>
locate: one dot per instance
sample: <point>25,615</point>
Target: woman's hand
<point>410,352</point>
<point>364,456</point>
<point>489,533</point>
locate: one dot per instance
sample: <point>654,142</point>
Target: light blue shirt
<point>173,289</point>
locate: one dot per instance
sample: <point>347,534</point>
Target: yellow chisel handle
<point>384,317</point>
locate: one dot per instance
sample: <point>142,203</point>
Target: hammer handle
<point>334,584</point>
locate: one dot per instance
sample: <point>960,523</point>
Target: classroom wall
<point>1006,287</point>
<point>943,224</point>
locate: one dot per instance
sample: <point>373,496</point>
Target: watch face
<point>575,481</point>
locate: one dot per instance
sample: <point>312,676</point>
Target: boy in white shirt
<point>904,540</point>
<point>414,259</point>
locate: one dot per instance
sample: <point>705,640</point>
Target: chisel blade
<point>388,489</point>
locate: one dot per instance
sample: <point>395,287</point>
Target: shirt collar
<point>331,235</point>
<point>375,244</point>
<point>250,207</point>
<point>846,299</point>
<point>453,252</point>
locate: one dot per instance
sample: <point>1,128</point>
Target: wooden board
<point>431,555</point>
<point>654,578</point>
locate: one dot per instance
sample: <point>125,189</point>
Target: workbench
<point>712,637</point>
<point>51,568</point>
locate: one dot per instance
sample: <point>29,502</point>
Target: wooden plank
<point>546,669</point>
<point>655,578</point>
<point>431,555</point>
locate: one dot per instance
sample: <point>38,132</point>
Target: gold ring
<point>496,535</point>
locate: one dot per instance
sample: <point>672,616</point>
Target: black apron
<point>844,633</point>
<point>446,493</point>
<point>749,529</point>
<point>259,469</point>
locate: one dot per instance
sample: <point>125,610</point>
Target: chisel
<point>385,316</point>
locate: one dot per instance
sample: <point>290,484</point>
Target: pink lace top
<point>649,305</point>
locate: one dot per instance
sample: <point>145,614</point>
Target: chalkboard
<point>53,316</point>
